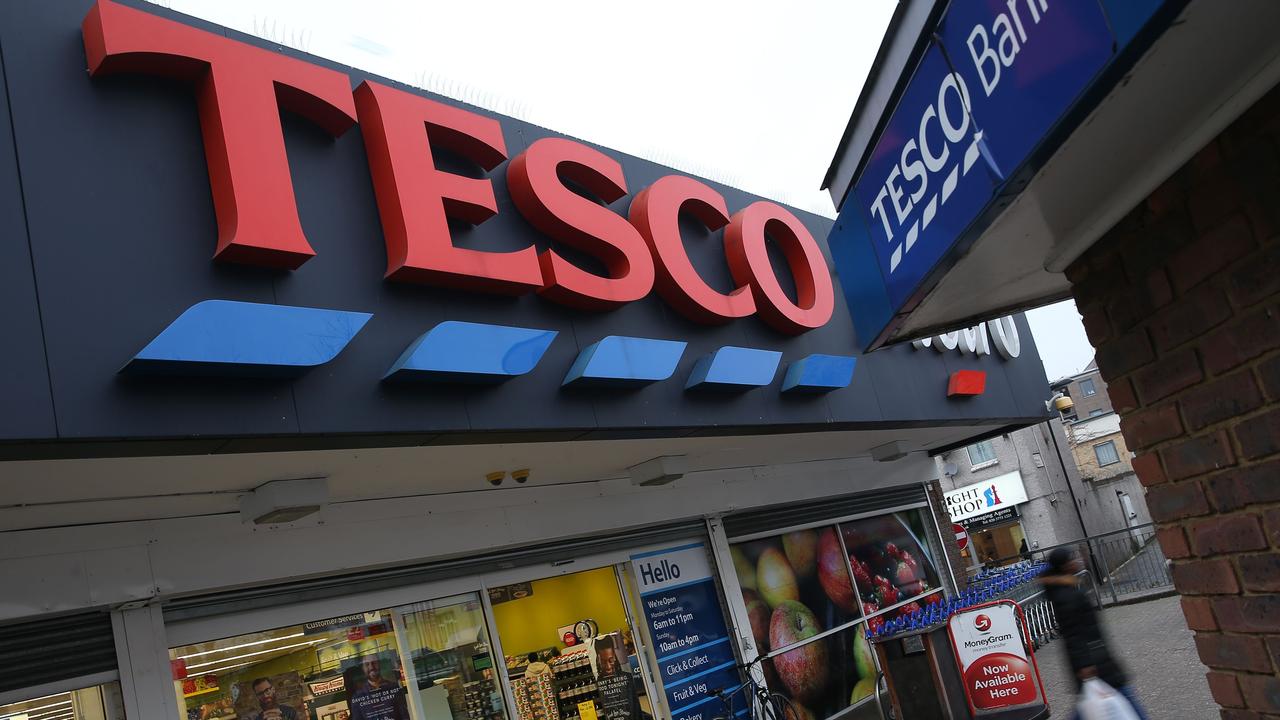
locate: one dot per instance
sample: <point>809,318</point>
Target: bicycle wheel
<point>780,708</point>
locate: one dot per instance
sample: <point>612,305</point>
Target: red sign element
<point>747,251</point>
<point>564,215</point>
<point>962,536</point>
<point>570,639</point>
<point>655,212</point>
<point>240,91</point>
<point>967,383</point>
<point>415,200</point>
<point>982,623</point>
<point>1000,680</point>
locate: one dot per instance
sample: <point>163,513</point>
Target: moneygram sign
<point>996,664</point>
<point>987,91</point>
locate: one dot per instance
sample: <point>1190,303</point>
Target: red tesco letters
<point>240,90</point>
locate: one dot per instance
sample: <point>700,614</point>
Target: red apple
<point>758,613</point>
<point>775,579</point>
<point>801,548</point>
<point>833,572</point>
<point>804,670</point>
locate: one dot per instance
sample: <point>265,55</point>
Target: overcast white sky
<point>751,94</point>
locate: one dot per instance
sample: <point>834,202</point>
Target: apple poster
<point>801,584</point>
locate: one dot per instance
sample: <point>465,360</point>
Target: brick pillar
<point>946,536</point>
<point>1182,301</point>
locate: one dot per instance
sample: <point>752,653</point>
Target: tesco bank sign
<point>989,87</point>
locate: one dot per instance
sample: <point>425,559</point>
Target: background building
<point>1115,498</point>
<point>1035,482</point>
<point>1088,392</point>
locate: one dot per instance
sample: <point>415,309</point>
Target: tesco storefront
<point>328,398</point>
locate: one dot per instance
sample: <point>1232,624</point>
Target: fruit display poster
<point>807,592</point>
<point>994,661</point>
<point>683,613</point>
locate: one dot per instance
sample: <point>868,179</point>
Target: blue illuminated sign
<point>989,88</point>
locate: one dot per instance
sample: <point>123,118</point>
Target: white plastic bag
<point>1100,701</point>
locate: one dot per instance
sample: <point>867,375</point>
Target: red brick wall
<point>946,536</point>
<point>1182,301</point>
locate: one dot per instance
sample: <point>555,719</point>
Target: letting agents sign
<point>1002,491</point>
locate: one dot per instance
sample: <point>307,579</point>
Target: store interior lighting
<point>241,645</point>
<point>256,653</point>
<point>35,711</point>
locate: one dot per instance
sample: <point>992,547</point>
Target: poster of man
<point>275,697</point>
<point>613,679</point>
<point>373,688</point>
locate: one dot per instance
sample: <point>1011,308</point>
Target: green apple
<point>775,579</point>
<point>743,568</point>
<point>862,690</point>
<point>801,548</point>
<point>862,657</point>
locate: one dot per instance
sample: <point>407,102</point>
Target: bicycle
<point>761,704</point>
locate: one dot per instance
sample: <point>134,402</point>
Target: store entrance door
<point>571,647</point>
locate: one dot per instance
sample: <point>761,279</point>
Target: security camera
<point>520,475</point>
<point>1059,402</point>
<point>495,478</point>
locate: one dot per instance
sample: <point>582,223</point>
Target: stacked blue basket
<point>986,586</point>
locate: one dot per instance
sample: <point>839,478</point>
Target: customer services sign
<point>996,666</point>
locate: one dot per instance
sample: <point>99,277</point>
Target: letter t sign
<point>240,91</point>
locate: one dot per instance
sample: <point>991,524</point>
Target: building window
<point>982,454</point>
<point>1087,388</point>
<point>1106,453</point>
<point>1035,458</point>
<point>1096,412</point>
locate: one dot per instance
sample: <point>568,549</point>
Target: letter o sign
<point>746,249</point>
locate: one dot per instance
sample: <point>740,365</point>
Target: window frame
<point>976,465</point>
<point>1090,389</point>
<point>1114,452</point>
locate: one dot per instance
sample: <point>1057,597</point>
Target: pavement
<point>1153,643</point>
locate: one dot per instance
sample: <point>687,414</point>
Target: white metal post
<point>146,677</point>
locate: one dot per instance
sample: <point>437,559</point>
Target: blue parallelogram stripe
<point>622,360</point>
<point>472,352</point>
<point>228,337</point>
<point>734,368</point>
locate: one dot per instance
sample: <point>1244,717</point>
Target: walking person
<point>1081,627</point>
